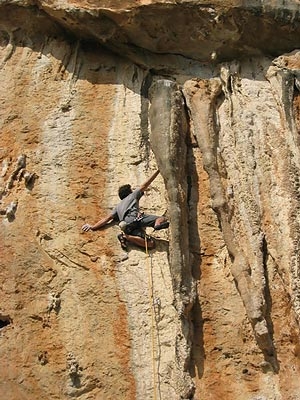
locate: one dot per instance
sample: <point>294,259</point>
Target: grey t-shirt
<point>131,202</point>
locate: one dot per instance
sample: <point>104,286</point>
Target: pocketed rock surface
<point>99,94</point>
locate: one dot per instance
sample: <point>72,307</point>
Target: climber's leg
<point>140,241</point>
<point>155,222</point>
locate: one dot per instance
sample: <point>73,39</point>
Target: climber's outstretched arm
<point>145,185</point>
<point>104,221</point>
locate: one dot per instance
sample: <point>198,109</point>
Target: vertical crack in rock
<point>202,99</point>
<point>168,141</point>
<point>296,101</point>
<point>145,143</point>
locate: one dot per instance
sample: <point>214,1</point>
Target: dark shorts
<point>136,228</point>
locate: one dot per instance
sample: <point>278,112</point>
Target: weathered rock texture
<point>97,94</point>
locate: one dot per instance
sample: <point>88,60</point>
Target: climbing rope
<point>152,318</point>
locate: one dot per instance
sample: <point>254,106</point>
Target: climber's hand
<point>86,228</point>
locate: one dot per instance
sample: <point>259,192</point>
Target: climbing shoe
<point>163,225</point>
<point>123,241</point>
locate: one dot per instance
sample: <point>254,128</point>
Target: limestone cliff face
<point>98,94</point>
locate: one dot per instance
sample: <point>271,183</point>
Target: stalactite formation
<point>169,143</point>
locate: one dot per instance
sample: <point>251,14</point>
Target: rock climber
<point>132,221</point>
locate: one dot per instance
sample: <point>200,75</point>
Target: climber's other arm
<point>99,224</point>
<point>145,185</point>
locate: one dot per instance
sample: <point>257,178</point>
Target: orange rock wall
<point>89,103</point>
<point>60,122</point>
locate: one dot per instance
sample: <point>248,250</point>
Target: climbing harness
<point>128,227</point>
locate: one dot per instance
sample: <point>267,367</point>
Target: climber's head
<point>124,191</point>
